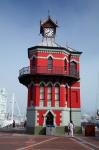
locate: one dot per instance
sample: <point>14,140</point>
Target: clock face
<point>49,32</point>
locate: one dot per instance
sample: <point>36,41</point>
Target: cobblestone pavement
<point>12,141</point>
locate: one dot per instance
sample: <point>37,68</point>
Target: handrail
<point>45,70</point>
<point>24,70</point>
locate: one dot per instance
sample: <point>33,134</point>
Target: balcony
<point>43,70</point>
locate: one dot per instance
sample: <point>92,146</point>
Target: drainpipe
<point>70,88</point>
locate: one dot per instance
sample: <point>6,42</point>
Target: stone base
<point>42,130</point>
<point>36,130</point>
<point>39,130</point>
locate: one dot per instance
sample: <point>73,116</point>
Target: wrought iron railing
<point>25,70</point>
<point>45,70</point>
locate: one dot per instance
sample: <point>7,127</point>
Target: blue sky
<point>78,26</point>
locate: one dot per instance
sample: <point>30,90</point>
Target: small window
<point>50,63</point>
<point>41,92</point>
<point>73,69</point>
<point>57,93</point>
<point>65,65</point>
<point>49,93</point>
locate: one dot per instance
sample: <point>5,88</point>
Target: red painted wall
<point>75,99</point>
<point>58,117</point>
<point>53,96</point>
<point>62,96</point>
<point>73,94</point>
<point>40,117</point>
<point>58,60</point>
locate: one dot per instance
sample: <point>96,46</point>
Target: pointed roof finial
<point>48,13</point>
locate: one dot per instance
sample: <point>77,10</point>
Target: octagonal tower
<point>53,82</point>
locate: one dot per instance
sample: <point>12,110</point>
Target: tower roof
<point>47,23</point>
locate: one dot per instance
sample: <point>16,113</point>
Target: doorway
<point>49,119</point>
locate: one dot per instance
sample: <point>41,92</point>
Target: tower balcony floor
<point>26,74</point>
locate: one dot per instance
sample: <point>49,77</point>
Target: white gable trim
<point>73,60</point>
<point>44,123</point>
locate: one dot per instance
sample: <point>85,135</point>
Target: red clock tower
<point>53,82</point>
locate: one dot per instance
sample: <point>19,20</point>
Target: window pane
<point>49,89</point>
<point>41,89</point>
<point>41,93</point>
<point>57,97</point>
<point>41,96</point>
<point>73,68</point>
<point>56,89</point>
<point>65,64</point>
<point>56,93</point>
<point>50,63</point>
<point>49,96</point>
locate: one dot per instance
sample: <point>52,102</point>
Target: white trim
<point>66,85</point>
<point>34,56</point>
<point>44,123</point>
<point>65,103</point>
<point>48,112</point>
<point>49,83</point>
<point>66,59</point>
<point>62,85</point>
<point>54,108</point>
<point>54,58</point>
<point>57,83</point>
<point>61,51</point>
<point>34,84</point>
<point>50,55</point>
<point>75,88</point>
<point>57,58</point>
<point>73,60</point>
<point>57,51</point>
<point>42,82</point>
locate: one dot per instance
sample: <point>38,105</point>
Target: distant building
<point>97,115</point>
<point>52,80</point>
<point>3,104</point>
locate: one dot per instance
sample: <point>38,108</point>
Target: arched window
<point>66,93</point>
<point>33,62</point>
<point>65,65</point>
<point>50,63</point>
<point>49,96</point>
<point>73,69</point>
<point>42,91</point>
<point>57,92</point>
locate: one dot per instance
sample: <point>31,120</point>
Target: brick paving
<point>12,141</point>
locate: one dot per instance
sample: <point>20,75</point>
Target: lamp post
<point>70,88</point>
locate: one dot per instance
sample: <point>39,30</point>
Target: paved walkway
<point>14,141</point>
<point>90,142</point>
